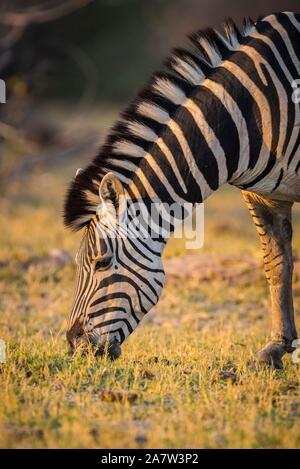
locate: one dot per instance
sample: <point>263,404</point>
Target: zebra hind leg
<point>273,222</point>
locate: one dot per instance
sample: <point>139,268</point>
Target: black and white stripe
<point>222,112</point>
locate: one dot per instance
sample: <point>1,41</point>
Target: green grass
<point>172,363</point>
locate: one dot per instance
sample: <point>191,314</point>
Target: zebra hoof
<point>271,355</point>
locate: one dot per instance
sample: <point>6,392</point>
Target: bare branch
<point>34,15</point>
<point>12,35</point>
<point>49,159</point>
<point>14,135</point>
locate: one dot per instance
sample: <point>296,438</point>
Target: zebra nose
<point>74,333</point>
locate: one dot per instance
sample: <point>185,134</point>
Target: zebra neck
<point>198,151</point>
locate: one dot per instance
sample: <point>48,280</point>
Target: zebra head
<point>119,275</point>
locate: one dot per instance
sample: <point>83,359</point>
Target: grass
<point>187,374</point>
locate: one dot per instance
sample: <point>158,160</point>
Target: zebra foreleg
<point>273,222</point>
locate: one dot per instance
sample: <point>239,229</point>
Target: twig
<point>12,134</point>
<point>51,159</point>
<point>34,15</point>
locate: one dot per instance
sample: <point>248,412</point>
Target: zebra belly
<point>288,189</point>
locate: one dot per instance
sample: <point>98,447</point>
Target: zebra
<point>221,111</point>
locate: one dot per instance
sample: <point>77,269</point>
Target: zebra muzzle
<point>79,337</point>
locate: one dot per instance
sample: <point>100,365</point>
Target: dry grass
<point>189,369</point>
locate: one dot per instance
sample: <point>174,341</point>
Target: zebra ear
<point>79,170</point>
<point>111,190</point>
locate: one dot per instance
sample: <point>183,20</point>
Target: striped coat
<point>223,111</point>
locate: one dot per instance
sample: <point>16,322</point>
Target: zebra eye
<point>102,264</point>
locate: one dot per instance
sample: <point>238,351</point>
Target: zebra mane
<point>144,120</point>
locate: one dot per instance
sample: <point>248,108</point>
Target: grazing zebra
<point>223,111</point>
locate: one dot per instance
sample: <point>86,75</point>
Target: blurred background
<point>69,65</point>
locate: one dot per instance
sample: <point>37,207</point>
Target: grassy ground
<point>186,376</point>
